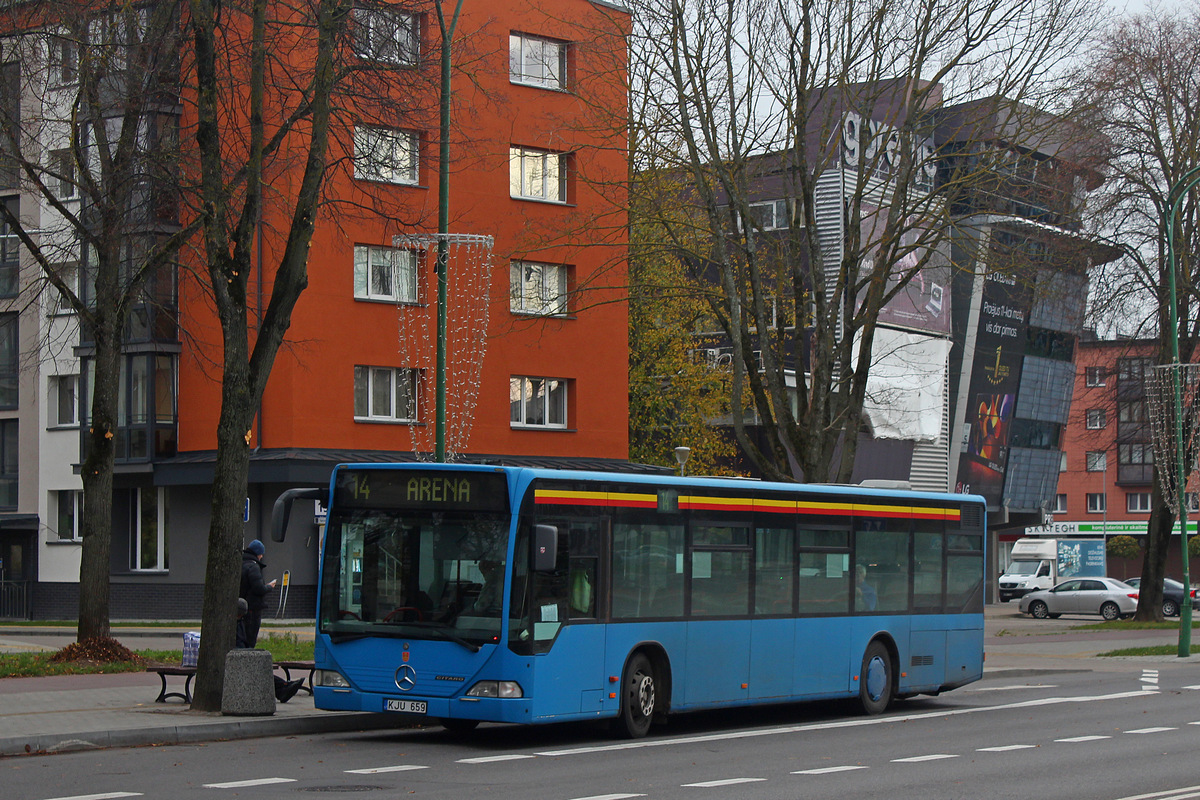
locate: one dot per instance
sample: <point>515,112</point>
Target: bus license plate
<point>406,706</point>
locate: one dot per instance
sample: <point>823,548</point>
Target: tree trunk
<point>95,562</point>
<point>223,573</point>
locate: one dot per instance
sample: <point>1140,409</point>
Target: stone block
<point>249,688</point>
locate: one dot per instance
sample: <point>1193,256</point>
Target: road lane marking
<point>105,796</point>
<point>1010,688</point>
<point>490,759</point>
<point>1192,687</point>
<point>828,770</point>
<point>1005,748</point>
<point>848,723</point>
<point>726,782</point>
<point>916,759</point>
<point>1077,739</point>
<point>1167,795</point>
<point>249,783</point>
<point>378,770</point>
<point>1152,730</point>
<point>609,797</point>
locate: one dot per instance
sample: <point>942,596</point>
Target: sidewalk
<point>78,712</point>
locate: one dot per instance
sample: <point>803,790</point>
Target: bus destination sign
<point>427,489</point>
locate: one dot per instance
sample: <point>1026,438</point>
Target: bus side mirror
<point>545,548</point>
<point>282,509</point>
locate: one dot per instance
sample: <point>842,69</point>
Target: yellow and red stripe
<point>773,505</point>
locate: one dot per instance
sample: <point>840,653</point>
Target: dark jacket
<point>254,589</point>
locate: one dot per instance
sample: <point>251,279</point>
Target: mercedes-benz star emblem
<point>406,678</point>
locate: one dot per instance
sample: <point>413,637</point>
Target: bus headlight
<point>496,689</point>
<point>327,677</point>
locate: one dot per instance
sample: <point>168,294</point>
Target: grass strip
<point>1156,650</point>
<point>282,646</point>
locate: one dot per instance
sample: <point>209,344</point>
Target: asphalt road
<point>1098,735</point>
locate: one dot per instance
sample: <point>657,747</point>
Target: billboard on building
<point>995,378</point>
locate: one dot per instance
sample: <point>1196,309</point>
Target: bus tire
<point>639,696</point>
<point>875,685</point>
<point>459,727</point>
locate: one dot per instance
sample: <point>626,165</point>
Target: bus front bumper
<point>488,709</point>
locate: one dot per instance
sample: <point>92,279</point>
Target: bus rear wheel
<point>875,679</point>
<point>639,695</point>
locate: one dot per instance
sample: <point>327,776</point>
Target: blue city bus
<point>467,593</point>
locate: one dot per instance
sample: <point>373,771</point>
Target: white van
<point>1034,566</point>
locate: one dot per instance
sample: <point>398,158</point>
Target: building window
<point>64,401</point>
<point>771,215</point>
<point>9,464</point>
<point>385,155</point>
<point>538,402</point>
<point>1060,504</point>
<point>1095,503</point>
<point>149,532</point>
<point>1097,418</point>
<point>537,288</point>
<point>64,60</point>
<point>1137,502</point>
<point>9,361</point>
<point>67,508</point>
<point>61,180</point>
<point>386,35</point>
<point>385,273</point>
<point>1094,376</point>
<point>9,251</point>
<point>537,174</point>
<point>536,61</point>
<point>1135,454</point>
<point>1132,369</point>
<point>1132,411</point>
<point>68,273</point>
<point>1097,461</point>
<point>385,394</point>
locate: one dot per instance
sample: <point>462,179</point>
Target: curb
<point>225,729</point>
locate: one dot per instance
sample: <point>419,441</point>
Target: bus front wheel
<point>875,680</point>
<point>639,695</point>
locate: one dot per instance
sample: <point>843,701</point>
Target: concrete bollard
<point>249,688</point>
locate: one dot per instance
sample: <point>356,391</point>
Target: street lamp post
<point>1178,191</point>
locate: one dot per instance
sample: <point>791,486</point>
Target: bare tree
<point>1141,86</point>
<point>289,96</point>
<point>88,133</point>
<point>742,99</point>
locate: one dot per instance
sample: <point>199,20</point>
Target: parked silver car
<point>1108,597</point>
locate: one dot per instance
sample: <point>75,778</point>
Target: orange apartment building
<point>1104,488</point>
<point>537,340</point>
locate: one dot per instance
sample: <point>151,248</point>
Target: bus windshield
<point>415,573</point>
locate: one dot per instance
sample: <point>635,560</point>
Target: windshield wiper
<point>440,627</point>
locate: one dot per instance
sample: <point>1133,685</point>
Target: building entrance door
<point>16,573</point>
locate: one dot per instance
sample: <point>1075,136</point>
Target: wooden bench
<point>288,666</point>
<point>163,672</point>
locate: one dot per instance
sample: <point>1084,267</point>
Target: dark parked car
<point>1173,594</point>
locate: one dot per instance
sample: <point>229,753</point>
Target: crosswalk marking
<point>726,782</point>
<point>1005,748</point>
<point>249,783</point>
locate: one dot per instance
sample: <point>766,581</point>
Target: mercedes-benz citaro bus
<point>467,593</point>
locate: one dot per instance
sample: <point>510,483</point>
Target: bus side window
<point>581,587</point>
